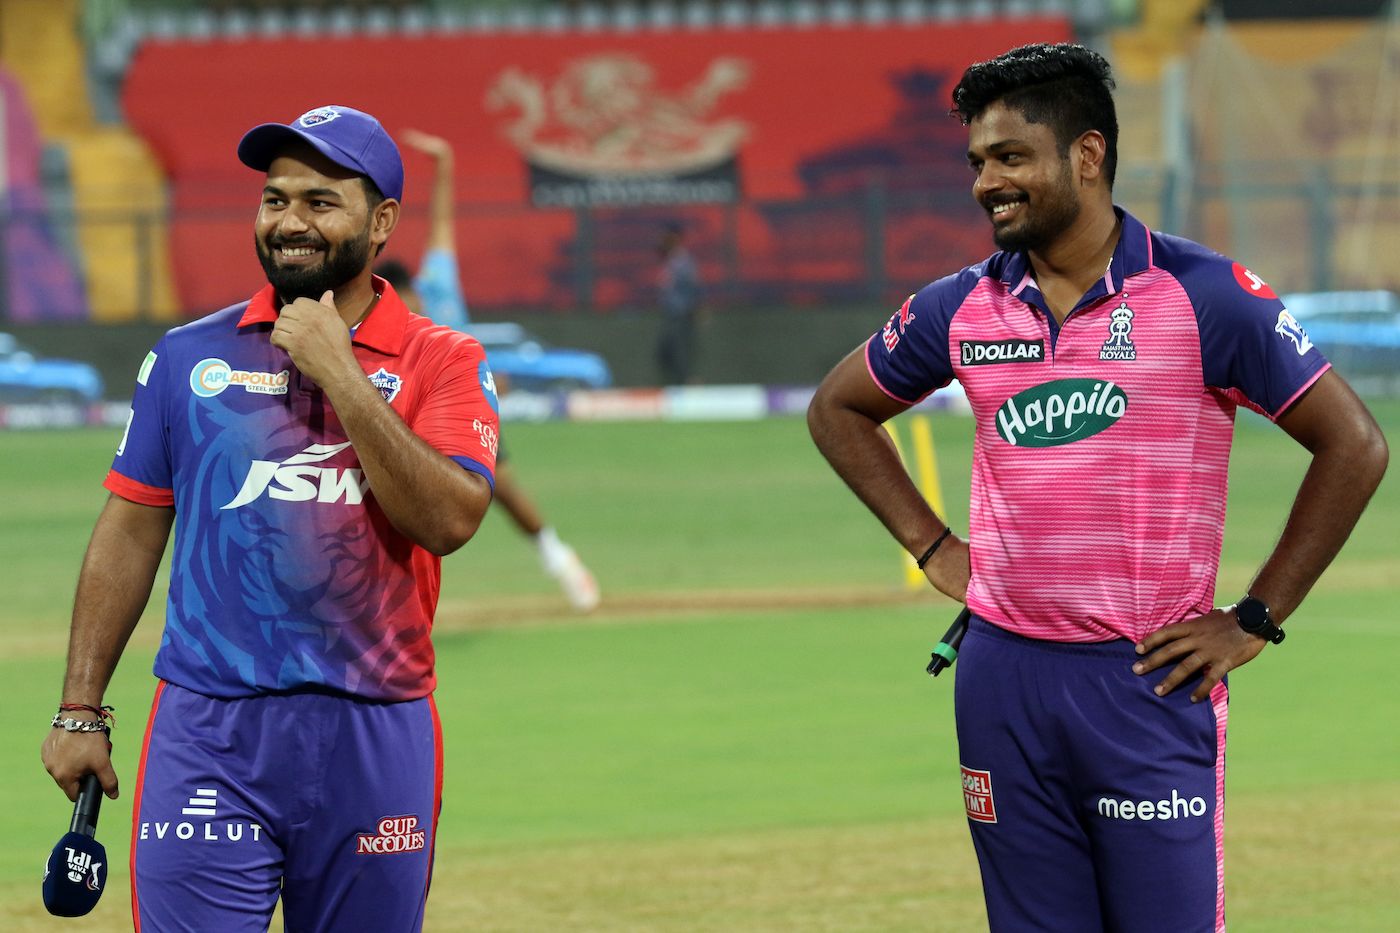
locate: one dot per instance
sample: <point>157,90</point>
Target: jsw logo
<point>293,480</point>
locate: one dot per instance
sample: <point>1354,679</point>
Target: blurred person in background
<point>1103,363</point>
<point>317,449</point>
<point>436,292</point>
<point>678,283</point>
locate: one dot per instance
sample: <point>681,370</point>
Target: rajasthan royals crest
<point>1119,345</point>
<point>387,383</point>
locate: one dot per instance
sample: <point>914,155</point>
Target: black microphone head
<point>75,875</point>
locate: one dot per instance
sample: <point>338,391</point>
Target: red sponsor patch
<point>392,834</point>
<point>903,317</point>
<point>889,337</point>
<point>906,316</point>
<point>1252,283</point>
<point>977,795</point>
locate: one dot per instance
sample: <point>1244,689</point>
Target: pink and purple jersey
<point>1102,444</point>
<point>285,573</point>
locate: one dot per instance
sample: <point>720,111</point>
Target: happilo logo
<point>393,834</point>
<point>1176,807</point>
<point>212,376</point>
<point>977,795</point>
<point>204,802</point>
<point>1060,412</point>
<point>297,479</point>
<point>982,352</point>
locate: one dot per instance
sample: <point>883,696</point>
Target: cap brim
<point>262,144</point>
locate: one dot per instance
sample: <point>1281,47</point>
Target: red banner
<point>785,150</point>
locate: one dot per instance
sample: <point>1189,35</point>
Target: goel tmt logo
<point>977,795</point>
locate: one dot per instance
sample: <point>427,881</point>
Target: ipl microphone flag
<point>76,871</point>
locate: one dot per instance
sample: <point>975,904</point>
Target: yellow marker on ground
<point>925,475</point>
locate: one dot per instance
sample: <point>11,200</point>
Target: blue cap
<point>350,138</point>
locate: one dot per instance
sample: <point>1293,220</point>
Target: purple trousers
<point>1094,804</point>
<point>326,801</point>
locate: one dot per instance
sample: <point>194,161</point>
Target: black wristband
<point>932,548</point>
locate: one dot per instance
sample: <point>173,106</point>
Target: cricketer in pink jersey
<point>317,449</point>
<point>1103,363</point>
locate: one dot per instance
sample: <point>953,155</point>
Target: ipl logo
<point>1289,327</point>
<point>83,867</point>
<point>1119,345</point>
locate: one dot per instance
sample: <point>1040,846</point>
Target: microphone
<point>76,871</point>
<point>946,651</point>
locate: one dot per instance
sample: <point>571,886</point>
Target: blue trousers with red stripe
<point>1094,804</point>
<point>327,801</point>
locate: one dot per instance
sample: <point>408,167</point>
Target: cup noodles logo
<point>393,834</point>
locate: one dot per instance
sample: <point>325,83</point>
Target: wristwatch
<point>1254,617</point>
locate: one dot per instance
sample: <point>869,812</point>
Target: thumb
<point>328,299</point>
<point>108,778</point>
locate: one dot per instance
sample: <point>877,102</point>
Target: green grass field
<point>742,738</point>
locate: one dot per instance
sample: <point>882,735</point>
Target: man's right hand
<point>950,568</point>
<point>68,756</point>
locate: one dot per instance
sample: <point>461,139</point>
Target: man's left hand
<point>316,339</point>
<point>1211,645</point>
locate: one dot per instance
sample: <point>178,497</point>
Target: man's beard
<point>1054,213</point>
<point>341,264</point>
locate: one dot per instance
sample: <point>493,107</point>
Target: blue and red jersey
<point>1102,443</point>
<point>285,573</point>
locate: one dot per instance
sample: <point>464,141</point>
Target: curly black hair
<point>1066,86</point>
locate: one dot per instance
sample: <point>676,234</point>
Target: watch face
<point>1252,614</point>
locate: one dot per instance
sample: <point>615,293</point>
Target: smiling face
<point>315,229</point>
<point>1024,182</point>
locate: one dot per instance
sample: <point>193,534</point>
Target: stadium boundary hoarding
<point>783,149</point>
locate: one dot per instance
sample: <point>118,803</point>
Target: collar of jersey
<point>1132,255</point>
<point>382,330</point>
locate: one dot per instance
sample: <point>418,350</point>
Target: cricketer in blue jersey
<point>317,449</point>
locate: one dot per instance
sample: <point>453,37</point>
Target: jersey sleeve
<point>439,284</point>
<point>141,470</point>
<point>909,357</point>
<point>459,415</point>
<point>1252,349</point>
